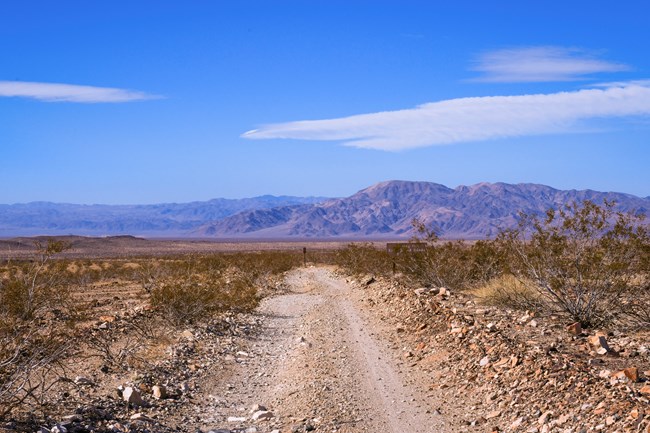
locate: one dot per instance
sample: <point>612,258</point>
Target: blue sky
<point>160,101</point>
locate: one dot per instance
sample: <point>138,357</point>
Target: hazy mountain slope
<point>173,219</point>
<point>388,208</point>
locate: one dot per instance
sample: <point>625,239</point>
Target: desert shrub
<point>123,350</point>
<point>453,264</point>
<point>35,285</point>
<point>585,259</point>
<point>439,265</point>
<point>32,362</point>
<point>191,289</point>
<point>364,258</point>
<point>194,299</point>
<point>35,319</point>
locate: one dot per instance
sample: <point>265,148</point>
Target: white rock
<point>262,415</point>
<point>82,380</point>
<point>132,396</point>
<point>236,419</point>
<point>159,392</point>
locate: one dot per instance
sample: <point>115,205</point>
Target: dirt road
<point>321,364</point>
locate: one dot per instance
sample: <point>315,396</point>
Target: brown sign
<point>411,247</point>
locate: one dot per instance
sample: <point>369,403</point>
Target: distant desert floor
<point>130,246</point>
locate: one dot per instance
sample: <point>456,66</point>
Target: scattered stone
<point>139,417</point>
<point>159,392</point>
<point>574,328</point>
<point>632,373</point>
<point>237,419</point>
<point>599,342</point>
<point>645,390</point>
<point>59,429</point>
<point>563,419</point>
<point>82,380</point>
<point>257,408</point>
<point>261,415</point>
<point>187,334</point>
<point>132,396</point>
<point>493,414</point>
<point>546,416</point>
<point>516,423</point>
<point>484,361</point>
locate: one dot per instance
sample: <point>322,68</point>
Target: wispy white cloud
<point>56,92</point>
<point>540,64</point>
<point>470,119</point>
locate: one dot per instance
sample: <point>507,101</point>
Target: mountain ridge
<point>388,208</point>
<point>382,210</point>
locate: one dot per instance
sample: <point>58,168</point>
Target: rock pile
<point>515,372</point>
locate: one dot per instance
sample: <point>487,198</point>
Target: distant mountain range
<point>156,220</point>
<point>384,210</point>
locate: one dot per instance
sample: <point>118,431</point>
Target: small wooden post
<point>304,256</point>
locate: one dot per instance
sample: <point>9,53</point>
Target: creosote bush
<point>585,259</point>
<point>363,258</point>
<point>456,265</point>
<point>582,260</point>
<point>32,350</point>
<point>39,314</point>
<point>190,290</point>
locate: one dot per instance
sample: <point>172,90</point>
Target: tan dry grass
<point>508,291</point>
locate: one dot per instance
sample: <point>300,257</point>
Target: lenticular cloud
<point>470,119</point>
<point>57,92</point>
